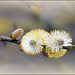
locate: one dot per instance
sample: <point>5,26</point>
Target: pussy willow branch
<point>8,39</point>
<point>69,47</point>
<point>44,53</point>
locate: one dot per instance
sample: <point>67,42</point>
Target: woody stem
<point>44,53</point>
<point>8,39</point>
<point>69,47</point>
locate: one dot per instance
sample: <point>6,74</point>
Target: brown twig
<point>69,47</point>
<point>44,53</point>
<point>8,39</point>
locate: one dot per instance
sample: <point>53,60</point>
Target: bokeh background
<point>32,15</point>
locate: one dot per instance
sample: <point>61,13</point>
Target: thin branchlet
<point>8,39</point>
<point>69,47</point>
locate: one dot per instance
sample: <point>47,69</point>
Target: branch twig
<point>69,47</point>
<point>8,39</point>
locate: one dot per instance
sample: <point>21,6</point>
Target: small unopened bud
<point>17,34</point>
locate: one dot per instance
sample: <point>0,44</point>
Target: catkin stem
<point>69,47</point>
<point>44,53</point>
<point>8,39</point>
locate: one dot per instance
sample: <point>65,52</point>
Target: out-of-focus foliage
<point>64,14</point>
<point>5,25</point>
<point>24,15</point>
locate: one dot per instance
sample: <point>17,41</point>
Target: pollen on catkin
<point>32,42</point>
<point>46,36</point>
<point>57,54</point>
<point>58,39</point>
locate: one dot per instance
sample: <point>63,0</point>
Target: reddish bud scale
<point>16,34</point>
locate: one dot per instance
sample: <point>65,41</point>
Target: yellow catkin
<point>57,54</point>
<point>39,41</point>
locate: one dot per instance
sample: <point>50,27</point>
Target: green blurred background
<point>32,15</point>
